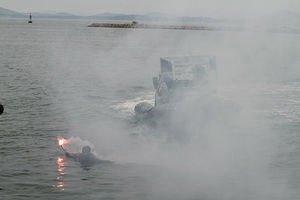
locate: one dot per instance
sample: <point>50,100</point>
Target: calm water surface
<point>61,78</point>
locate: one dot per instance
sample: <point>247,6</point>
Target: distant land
<point>5,13</point>
<point>282,18</point>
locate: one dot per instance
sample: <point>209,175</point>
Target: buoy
<point>30,19</point>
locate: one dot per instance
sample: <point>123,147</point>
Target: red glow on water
<point>61,165</point>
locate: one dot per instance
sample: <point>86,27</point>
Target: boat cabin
<point>185,76</point>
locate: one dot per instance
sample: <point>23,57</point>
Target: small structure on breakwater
<point>135,24</point>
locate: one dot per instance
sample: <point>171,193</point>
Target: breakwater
<point>151,26</point>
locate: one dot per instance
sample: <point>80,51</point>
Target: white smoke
<point>220,152</point>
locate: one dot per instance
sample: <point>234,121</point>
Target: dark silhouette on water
<point>30,19</point>
<point>86,158</point>
<point>1,109</point>
<point>135,24</point>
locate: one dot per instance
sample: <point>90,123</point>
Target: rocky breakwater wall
<point>151,26</point>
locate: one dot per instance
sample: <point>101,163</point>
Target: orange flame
<point>61,141</point>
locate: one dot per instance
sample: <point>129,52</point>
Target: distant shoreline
<point>151,26</point>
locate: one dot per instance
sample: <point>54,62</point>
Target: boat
<point>184,83</point>
<point>30,19</point>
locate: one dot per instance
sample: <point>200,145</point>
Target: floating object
<point>30,19</point>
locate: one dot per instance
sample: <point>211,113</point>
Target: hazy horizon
<point>192,8</point>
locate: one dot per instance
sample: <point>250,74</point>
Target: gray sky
<point>210,8</point>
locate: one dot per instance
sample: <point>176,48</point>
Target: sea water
<point>60,78</point>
